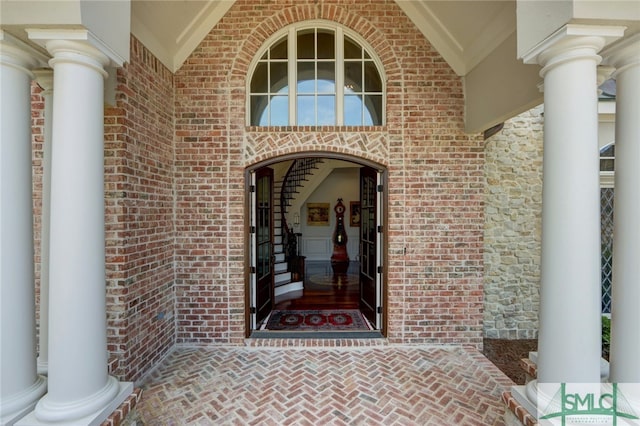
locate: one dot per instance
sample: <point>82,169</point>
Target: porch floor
<point>314,382</point>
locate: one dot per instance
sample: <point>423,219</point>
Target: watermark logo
<point>562,404</point>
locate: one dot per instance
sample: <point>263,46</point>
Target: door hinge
<point>252,310</point>
<point>379,229</point>
<point>252,269</point>
<point>379,269</point>
<point>379,188</point>
<point>252,229</point>
<point>252,188</point>
<point>379,309</point>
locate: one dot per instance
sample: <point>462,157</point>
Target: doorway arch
<point>268,218</point>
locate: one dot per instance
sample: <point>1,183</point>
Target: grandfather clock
<point>339,257</point>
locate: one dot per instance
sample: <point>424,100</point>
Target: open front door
<point>262,245</point>
<point>370,239</point>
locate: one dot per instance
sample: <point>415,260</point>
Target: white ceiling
<point>464,32</point>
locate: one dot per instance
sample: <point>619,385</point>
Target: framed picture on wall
<point>354,213</point>
<point>318,214</point>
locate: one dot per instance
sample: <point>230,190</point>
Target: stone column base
<point>94,419</point>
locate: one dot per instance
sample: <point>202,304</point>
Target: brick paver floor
<point>374,385</point>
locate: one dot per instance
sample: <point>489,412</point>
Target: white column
<point>79,384</point>
<point>569,342</point>
<point>20,386</point>
<point>625,312</point>
<point>44,78</point>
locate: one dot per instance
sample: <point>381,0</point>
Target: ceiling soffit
<point>172,29</point>
<point>463,32</point>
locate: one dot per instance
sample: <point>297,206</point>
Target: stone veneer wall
<point>435,190</point>
<point>512,235</point>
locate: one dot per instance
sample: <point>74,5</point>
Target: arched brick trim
<point>371,146</point>
<point>331,12</point>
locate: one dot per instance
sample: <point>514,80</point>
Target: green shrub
<point>606,331</point>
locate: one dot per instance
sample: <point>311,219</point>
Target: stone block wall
<point>513,224</point>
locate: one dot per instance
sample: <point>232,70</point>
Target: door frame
<point>382,208</point>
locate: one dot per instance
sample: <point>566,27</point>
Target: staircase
<point>286,191</point>
<point>282,276</point>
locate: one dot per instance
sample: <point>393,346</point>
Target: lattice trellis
<point>606,220</point>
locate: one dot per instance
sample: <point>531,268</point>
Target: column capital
<point>44,78</point>
<point>71,47</point>
<point>17,54</point>
<point>572,42</point>
<point>84,40</point>
<point>624,54</point>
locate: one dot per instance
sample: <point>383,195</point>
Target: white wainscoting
<point>321,248</point>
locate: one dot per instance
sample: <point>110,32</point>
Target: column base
<point>17,406</point>
<point>522,396</point>
<point>43,367</point>
<point>94,419</point>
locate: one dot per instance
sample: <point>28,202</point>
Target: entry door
<point>370,242</point>
<point>262,238</point>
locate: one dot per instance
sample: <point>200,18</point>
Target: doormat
<point>320,320</point>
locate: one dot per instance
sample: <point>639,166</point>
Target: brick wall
<point>513,228</point>
<point>37,138</point>
<point>176,152</point>
<point>435,206</point>
<point>139,200</point>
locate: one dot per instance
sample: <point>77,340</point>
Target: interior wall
<point>316,243</point>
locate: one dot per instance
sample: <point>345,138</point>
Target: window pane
<point>372,82</point>
<point>306,44</point>
<point>326,77</point>
<point>326,45</point>
<point>306,111</point>
<point>352,110</point>
<point>351,50</point>
<point>279,82</point>
<point>326,110</point>
<point>608,151</point>
<point>259,80</point>
<point>279,110</point>
<point>259,110</point>
<point>306,77</point>
<point>607,164</point>
<point>353,76</point>
<point>279,50</point>
<point>373,110</point>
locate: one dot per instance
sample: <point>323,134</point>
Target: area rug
<point>319,320</point>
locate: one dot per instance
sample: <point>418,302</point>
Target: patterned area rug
<point>321,320</point>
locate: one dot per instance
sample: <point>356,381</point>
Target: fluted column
<point>79,384</point>
<point>569,343</point>
<point>625,312</point>
<point>44,78</point>
<point>20,386</point>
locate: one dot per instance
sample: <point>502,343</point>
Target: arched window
<point>316,74</point>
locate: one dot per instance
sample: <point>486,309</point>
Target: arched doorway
<point>290,236</point>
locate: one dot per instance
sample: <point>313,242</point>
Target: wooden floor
<point>325,288</point>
